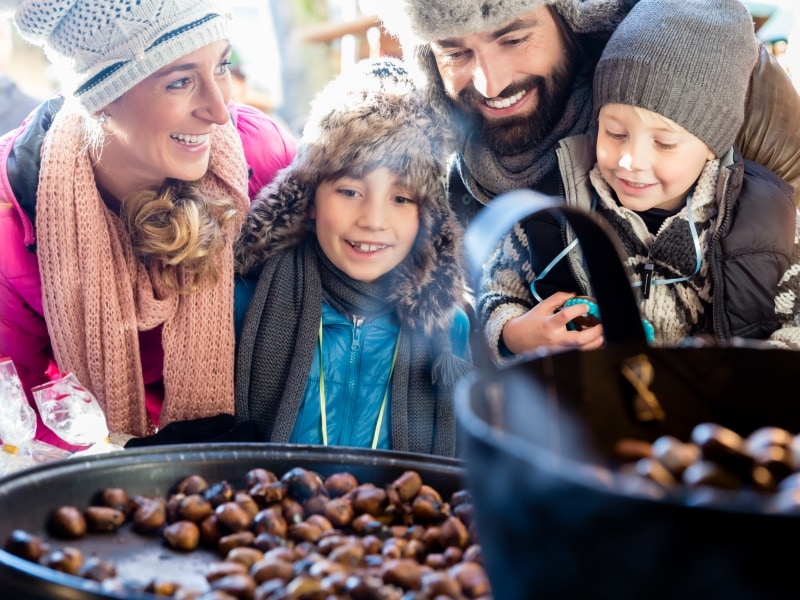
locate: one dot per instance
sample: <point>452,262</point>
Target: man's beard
<point>516,134</point>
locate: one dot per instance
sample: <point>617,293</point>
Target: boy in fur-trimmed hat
<point>711,240</point>
<point>354,335</point>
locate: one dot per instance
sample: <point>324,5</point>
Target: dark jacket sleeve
<point>771,132</point>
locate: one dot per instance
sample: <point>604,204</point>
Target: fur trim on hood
<point>369,118</point>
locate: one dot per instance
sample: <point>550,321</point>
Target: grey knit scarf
<point>485,174</point>
<point>278,341</point>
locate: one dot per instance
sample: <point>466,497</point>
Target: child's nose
<point>635,156</point>
<point>374,215</point>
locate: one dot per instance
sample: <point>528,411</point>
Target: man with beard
<point>513,78</point>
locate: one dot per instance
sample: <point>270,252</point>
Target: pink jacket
<point>23,331</point>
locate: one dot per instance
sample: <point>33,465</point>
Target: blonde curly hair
<point>179,232</point>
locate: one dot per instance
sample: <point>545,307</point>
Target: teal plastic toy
<point>594,311</point>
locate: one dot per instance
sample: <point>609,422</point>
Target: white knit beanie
<point>108,46</point>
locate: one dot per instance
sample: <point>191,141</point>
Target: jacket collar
<point>23,162</point>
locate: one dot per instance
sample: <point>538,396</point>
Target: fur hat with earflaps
<point>425,21</point>
<point>367,118</point>
<point>102,48</point>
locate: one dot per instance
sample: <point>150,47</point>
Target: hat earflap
<point>278,219</point>
<point>431,280</point>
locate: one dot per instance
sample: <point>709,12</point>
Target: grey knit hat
<point>687,60</point>
<point>108,46</point>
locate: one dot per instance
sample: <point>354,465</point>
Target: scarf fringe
<point>448,369</point>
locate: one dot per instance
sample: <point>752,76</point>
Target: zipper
<point>715,262</point>
<point>349,405</point>
<point>562,153</point>
<point>562,195</point>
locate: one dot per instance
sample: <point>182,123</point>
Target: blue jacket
<point>358,358</point>
<point>357,364</point>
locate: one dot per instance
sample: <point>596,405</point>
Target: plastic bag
<point>73,414</point>
<point>18,447</point>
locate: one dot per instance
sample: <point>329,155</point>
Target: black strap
<point>621,318</point>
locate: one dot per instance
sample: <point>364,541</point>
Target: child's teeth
<point>368,247</point>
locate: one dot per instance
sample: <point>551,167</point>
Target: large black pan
<point>27,497</point>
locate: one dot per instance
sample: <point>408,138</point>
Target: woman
<point>120,201</point>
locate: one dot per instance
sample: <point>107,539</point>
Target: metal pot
<point>572,528</point>
<point>27,498</point>
<point>574,525</point>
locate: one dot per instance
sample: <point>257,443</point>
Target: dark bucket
<point>555,527</point>
<point>555,518</point>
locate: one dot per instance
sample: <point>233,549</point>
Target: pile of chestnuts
<point>763,468</point>
<point>297,536</point>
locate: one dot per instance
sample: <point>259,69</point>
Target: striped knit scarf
<point>98,296</point>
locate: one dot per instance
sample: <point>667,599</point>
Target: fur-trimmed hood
<point>368,118</point>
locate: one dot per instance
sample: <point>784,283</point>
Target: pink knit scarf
<point>97,295</point>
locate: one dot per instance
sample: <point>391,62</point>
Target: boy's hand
<point>545,325</point>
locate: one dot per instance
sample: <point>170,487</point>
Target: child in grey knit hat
<point>354,335</point>
<point>710,239</point>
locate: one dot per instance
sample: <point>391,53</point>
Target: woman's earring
<point>102,117</point>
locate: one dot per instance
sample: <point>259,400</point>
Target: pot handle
<point>622,322</point>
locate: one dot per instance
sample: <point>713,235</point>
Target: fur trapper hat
<point>367,118</point>
<point>417,23</point>
<point>105,47</point>
<point>425,21</point>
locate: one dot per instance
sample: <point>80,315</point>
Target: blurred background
<point>286,50</point>
<point>777,24</point>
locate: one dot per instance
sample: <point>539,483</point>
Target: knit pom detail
<point>448,369</point>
